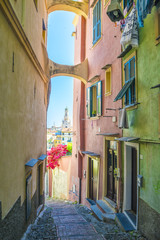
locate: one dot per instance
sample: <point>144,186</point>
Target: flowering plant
<point>55,154</point>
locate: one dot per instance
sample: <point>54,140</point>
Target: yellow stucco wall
<point>31,21</point>
<point>22,105</point>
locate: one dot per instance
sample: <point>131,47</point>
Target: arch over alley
<point>79,71</point>
<point>80,8</point>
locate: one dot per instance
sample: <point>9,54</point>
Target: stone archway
<point>80,8</point>
<point>79,71</point>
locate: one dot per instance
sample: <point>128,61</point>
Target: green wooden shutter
<point>88,96</point>
<point>99,98</point>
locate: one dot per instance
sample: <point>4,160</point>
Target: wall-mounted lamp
<point>114,11</point>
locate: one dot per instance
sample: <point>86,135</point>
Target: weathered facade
<point>24,80</point>
<point>95,119</point>
<point>141,155</point>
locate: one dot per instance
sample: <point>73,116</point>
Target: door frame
<point>127,177</point>
<point>40,171</point>
<point>88,180</point>
<point>105,163</point>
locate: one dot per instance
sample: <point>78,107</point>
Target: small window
<point>157,26</point>
<point>108,82</point>
<point>97,22</point>
<point>129,73</point>
<point>94,100</point>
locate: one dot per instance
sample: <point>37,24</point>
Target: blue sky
<point>60,46</point>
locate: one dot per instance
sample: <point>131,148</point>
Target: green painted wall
<point>150,170</point>
<point>144,120</point>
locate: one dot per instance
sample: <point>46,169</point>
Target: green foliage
<point>94,112</point>
<point>69,148</point>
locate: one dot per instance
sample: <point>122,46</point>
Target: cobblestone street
<point>63,221</point>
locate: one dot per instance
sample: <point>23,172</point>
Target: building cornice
<point>9,13</point>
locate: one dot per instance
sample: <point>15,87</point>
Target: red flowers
<point>55,154</point>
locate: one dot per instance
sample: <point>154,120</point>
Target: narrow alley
<point>63,220</point>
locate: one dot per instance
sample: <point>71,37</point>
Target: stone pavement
<point>62,220</point>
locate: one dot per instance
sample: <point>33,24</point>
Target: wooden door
<point>134,180</point>
<point>93,179</point>
<point>111,174</point>
<point>29,196</point>
<point>115,175</point>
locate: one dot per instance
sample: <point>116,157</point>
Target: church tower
<point>66,123</point>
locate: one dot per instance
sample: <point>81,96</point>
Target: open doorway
<point>131,170</point>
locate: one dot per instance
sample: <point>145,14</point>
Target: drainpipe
<point>79,191</point>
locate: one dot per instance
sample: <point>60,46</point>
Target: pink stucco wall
<point>105,52</point>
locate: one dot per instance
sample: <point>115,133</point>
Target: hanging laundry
<point>130,33</point>
<point>144,8</point>
<point>123,119</point>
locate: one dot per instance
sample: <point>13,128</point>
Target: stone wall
<point>149,221</point>
<point>14,224</point>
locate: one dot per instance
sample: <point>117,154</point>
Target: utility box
<point>139,180</point>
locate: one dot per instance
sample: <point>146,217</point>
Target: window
<point>129,89</point>
<point>97,22</point>
<point>94,100</point>
<point>128,4</point>
<point>129,73</point>
<point>157,27</point>
<point>108,82</point>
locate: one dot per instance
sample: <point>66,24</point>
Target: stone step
<point>131,216</point>
<point>104,207</point>
<point>124,223</point>
<point>97,212</point>
<point>108,217</point>
<point>91,202</point>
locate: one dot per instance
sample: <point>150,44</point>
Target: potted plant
<point>94,113</point>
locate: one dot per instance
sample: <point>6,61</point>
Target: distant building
<point>66,136</point>
<point>66,123</point>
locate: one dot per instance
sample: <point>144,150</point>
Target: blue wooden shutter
<point>99,98</point>
<point>94,24</point>
<point>88,100</point>
<point>99,19</point>
<point>97,22</point>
